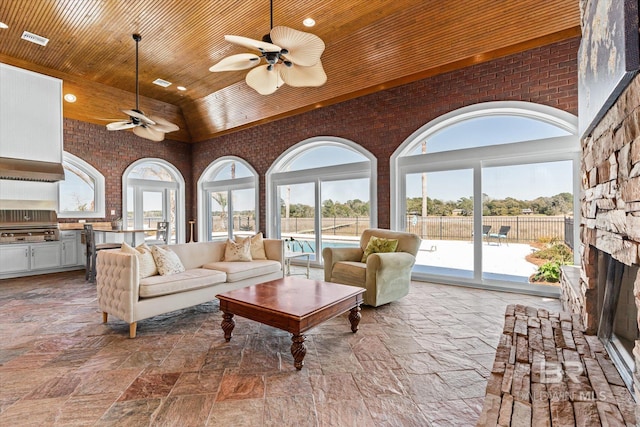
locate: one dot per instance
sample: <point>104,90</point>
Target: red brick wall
<point>111,152</point>
<point>380,122</point>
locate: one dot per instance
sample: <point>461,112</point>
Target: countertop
<point>80,226</point>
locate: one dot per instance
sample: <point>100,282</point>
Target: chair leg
<point>132,329</point>
<point>105,316</point>
<point>93,267</point>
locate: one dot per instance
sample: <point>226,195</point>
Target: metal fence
<point>523,229</point>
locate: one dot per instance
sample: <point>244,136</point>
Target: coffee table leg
<point>298,350</point>
<point>354,318</point>
<point>228,323</point>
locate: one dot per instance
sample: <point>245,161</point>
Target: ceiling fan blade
<point>304,48</point>
<point>253,44</point>
<point>162,125</point>
<point>120,125</point>
<point>264,82</point>
<point>241,61</point>
<point>138,115</point>
<point>298,76</point>
<point>148,133</point>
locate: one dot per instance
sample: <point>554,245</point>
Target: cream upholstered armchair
<point>385,276</point>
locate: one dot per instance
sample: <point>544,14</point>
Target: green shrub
<point>548,272</point>
<point>558,252</point>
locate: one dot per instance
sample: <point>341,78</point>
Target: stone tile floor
<point>420,361</point>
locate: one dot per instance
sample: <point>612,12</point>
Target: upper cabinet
<point>30,115</point>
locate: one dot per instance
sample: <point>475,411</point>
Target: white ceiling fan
<point>292,56</point>
<point>152,127</point>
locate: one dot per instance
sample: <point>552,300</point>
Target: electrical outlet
<point>113,211</point>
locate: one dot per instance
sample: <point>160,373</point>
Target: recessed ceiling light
<point>181,88</point>
<point>69,97</point>
<point>162,83</point>
<point>3,25</point>
<point>309,22</point>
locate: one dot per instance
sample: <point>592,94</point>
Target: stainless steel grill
<point>28,225</point>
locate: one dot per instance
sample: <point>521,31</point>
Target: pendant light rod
<point>271,13</point>
<point>137,38</point>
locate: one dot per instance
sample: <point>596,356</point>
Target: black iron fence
<point>523,229</point>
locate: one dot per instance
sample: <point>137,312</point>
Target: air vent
<point>34,38</point>
<point>162,83</point>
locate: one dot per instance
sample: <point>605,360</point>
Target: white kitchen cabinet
<point>45,255</point>
<point>14,258</point>
<point>31,115</point>
<point>68,248</point>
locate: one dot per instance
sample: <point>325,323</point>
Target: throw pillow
<point>146,263</point>
<point>379,245</point>
<point>167,261</point>
<point>257,245</point>
<point>238,251</point>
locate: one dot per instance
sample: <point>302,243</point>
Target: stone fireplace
<point>605,290</point>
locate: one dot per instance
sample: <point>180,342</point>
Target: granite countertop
<point>80,226</point>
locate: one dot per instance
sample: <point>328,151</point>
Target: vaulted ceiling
<point>370,45</point>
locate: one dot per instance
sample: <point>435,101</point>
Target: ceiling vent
<point>162,83</point>
<point>34,38</point>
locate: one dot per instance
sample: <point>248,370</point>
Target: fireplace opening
<point>618,322</point>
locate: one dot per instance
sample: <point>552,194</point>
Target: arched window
<point>227,199</point>
<point>482,186</point>
<point>81,194</point>
<point>153,191</point>
<point>322,192</point>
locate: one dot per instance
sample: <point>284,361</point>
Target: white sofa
<point>123,294</point>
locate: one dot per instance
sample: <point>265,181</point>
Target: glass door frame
<point>528,152</point>
<point>139,187</point>
<point>328,173</point>
<point>227,186</point>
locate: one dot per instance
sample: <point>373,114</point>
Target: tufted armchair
<point>385,276</point>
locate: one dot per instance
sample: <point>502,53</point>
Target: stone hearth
<point>610,225</point>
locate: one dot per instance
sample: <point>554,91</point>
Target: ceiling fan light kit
<point>152,127</point>
<point>292,57</point>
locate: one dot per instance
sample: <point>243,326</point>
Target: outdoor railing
<point>524,229</point>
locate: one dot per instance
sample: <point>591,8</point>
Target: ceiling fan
<point>292,57</point>
<point>151,127</point>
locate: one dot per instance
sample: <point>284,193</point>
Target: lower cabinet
<point>45,255</point>
<point>36,258</point>
<point>14,258</point>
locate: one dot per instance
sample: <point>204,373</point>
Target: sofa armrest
<point>388,276</point>
<point>117,283</point>
<point>333,255</point>
<point>274,249</point>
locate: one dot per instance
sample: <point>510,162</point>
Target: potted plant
<point>116,224</point>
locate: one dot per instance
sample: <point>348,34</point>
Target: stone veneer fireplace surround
<point>610,233</point>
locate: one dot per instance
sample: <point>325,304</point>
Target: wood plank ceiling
<point>370,45</point>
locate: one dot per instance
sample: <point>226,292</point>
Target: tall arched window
<point>322,192</point>
<point>81,194</point>
<point>153,191</point>
<point>227,199</point>
<point>484,186</point>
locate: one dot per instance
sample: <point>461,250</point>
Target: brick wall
<point>111,152</point>
<point>379,122</point>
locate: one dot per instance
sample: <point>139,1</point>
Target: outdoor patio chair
<point>385,273</point>
<point>485,231</point>
<point>501,234</point>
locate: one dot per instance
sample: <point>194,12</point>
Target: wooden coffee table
<point>292,304</point>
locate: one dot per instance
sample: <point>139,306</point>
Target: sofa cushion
<point>238,251</point>
<point>187,280</point>
<point>257,245</point>
<point>350,273</point>
<point>237,271</point>
<point>194,255</point>
<point>167,261</point>
<point>146,263</point>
